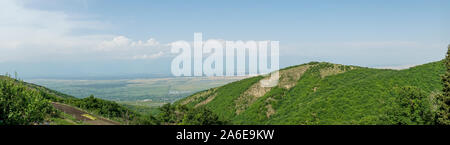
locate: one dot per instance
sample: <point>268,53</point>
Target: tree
<point>180,114</point>
<point>201,116</point>
<point>145,120</point>
<point>443,100</point>
<point>20,105</point>
<point>167,114</point>
<point>411,107</point>
<point>105,108</point>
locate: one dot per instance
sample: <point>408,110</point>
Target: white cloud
<point>117,42</point>
<point>124,43</point>
<point>151,56</point>
<point>149,42</point>
<point>122,47</point>
<point>28,34</point>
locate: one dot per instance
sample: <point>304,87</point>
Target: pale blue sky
<point>65,37</point>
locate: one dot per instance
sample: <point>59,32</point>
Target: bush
<point>20,105</point>
<point>201,116</point>
<point>183,115</point>
<point>105,108</point>
<point>411,107</point>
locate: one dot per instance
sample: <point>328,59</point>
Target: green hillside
<point>312,93</point>
<point>319,93</point>
<point>24,103</point>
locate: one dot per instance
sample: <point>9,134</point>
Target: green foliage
<point>140,109</point>
<point>224,103</point>
<point>181,115</point>
<point>167,114</point>
<point>411,107</point>
<point>443,100</point>
<point>201,116</point>
<point>355,96</point>
<point>37,101</point>
<point>105,108</point>
<point>109,109</point>
<point>20,105</point>
<point>26,103</point>
<point>146,119</point>
<point>65,119</point>
<point>443,110</point>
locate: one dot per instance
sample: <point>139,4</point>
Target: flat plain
<point>141,92</point>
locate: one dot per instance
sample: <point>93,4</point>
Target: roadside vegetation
<point>20,105</point>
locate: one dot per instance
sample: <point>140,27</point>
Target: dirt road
<point>78,114</point>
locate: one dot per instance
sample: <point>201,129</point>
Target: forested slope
<point>319,93</point>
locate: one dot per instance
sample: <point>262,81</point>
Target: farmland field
<point>141,92</point>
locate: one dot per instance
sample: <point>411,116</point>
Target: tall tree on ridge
<point>443,112</point>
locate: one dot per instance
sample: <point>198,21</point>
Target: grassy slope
<point>357,96</point>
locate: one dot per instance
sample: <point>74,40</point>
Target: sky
<point>80,38</point>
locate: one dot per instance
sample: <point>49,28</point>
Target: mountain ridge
<point>317,93</point>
